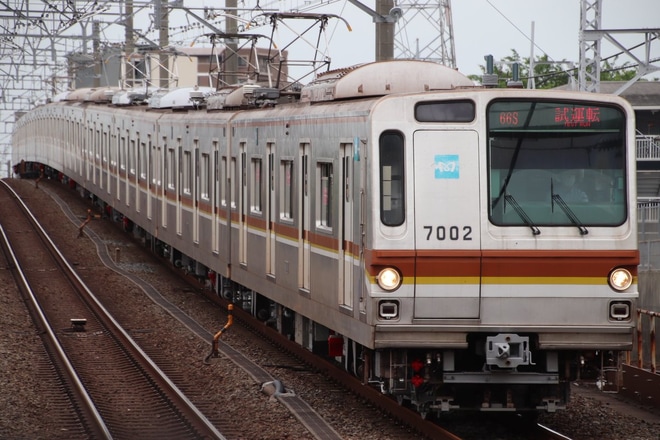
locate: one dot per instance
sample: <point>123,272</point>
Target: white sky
<point>496,27</point>
<point>480,27</point>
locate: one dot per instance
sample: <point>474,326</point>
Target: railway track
<point>281,360</point>
<point>116,390</point>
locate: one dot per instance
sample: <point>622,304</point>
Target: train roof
<point>383,78</point>
<point>361,81</point>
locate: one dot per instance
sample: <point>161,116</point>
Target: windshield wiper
<point>569,213</point>
<point>514,159</point>
<point>522,214</point>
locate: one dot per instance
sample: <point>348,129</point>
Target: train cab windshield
<point>556,164</point>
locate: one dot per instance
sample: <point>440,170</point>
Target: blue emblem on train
<point>446,166</point>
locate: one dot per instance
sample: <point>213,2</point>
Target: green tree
<point>550,74</point>
<point>610,72</point>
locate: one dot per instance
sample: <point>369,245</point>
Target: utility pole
<point>162,19</point>
<point>413,29</point>
<point>231,62</point>
<point>384,30</point>
<point>129,45</point>
<point>96,53</point>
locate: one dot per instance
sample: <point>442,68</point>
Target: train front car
<point>502,254</point>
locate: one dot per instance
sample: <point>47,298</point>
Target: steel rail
<point>196,419</point>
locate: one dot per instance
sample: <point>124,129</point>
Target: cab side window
<point>392,187</point>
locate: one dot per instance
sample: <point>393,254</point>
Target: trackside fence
<point>648,229</point>
<point>641,313</point>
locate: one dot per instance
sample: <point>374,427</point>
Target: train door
<point>195,191</point>
<point>152,158</point>
<point>215,196</point>
<point>179,189</point>
<point>447,224</point>
<point>304,246</point>
<point>346,225</point>
<point>242,207</point>
<point>270,212</point>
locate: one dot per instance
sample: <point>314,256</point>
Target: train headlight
<point>389,279</point>
<point>620,279</point>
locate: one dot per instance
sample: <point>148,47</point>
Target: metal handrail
<point>647,147</point>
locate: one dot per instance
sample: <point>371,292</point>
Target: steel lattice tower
<point>425,32</point>
<point>590,42</point>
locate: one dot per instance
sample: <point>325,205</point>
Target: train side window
<point>324,195</point>
<point>392,202</point>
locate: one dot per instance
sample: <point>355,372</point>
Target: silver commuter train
<point>458,247</point>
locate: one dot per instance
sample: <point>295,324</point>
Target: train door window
<point>142,161</point>
<point>392,202</point>
<point>155,164</point>
<point>122,154</point>
<point>171,171</point>
<point>97,146</point>
<point>324,195</point>
<point>186,170</point>
<point>104,147</point>
<point>223,180</point>
<point>233,189</point>
<point>286,189</point>
<point>256,196</point>
<point>131,157</point>
<point>205,177</point>
<point>113,152</point>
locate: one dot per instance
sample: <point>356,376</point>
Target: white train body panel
<point>456,192</point>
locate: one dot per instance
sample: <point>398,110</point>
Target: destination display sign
<point>542,115</point>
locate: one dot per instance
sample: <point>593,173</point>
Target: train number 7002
<point>453,233</point>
